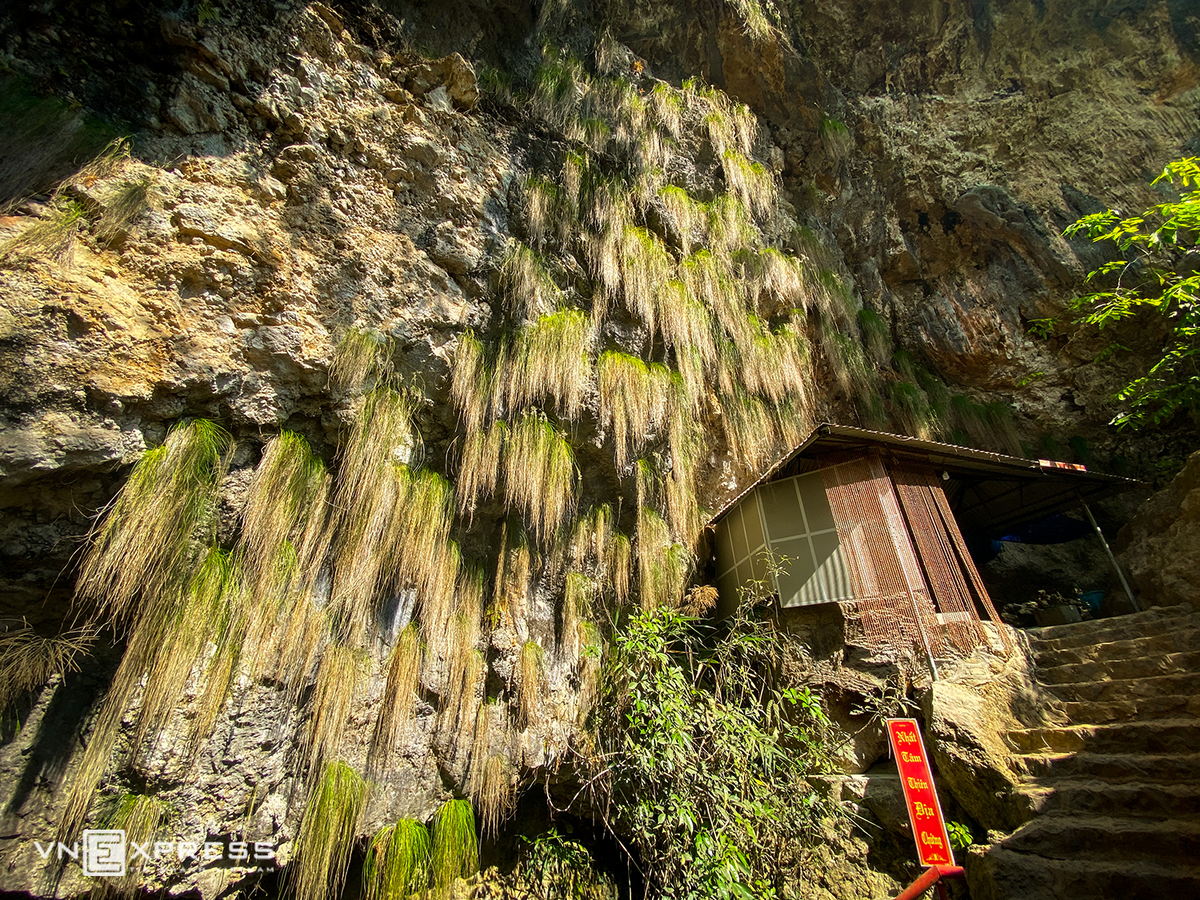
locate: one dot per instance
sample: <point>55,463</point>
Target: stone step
<point>1177,640</point>
<point>1125,689</point>
<point>1157,620</point>
<point>1108,838</point>
<point>1158,736</point>
<point>998,873</point>
<point>1132,799</point>
<point>1091,712</point>
<point>1142,667</point>
<point>1161,768</point>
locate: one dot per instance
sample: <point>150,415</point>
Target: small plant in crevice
<point>28,659</point>
<point>51,237</point>
<point>397,862</point>
<point>327,833</point>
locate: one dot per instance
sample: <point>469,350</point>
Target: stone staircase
<point>1113,790</point>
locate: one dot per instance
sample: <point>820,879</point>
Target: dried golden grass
<point>360,358</point>
<point>141,817</point>
<point>539,474</point>
<point>646,267</point>
<point>399,694</point>
<point>579,592</point>
<point>496,793</point>
<point>527,287</point>
<point>664,566</point>
<point>338,679</point>
<point>479,466</point>
<point>281,549</point>
<point>472,382</point>
<point>709,279</point>
<point>633,399</point>
<point>529,683</point>
<point>550,359</point>
<point>751,182</point>
<point>689,217</point>
<point>145,543</point>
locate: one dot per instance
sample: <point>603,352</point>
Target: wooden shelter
<point>874,522</point>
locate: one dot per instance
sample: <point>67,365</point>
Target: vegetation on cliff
<point>1158,272</point>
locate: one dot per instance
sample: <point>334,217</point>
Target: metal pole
<point>1111,557</point>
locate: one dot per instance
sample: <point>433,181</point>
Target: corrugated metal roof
<point>993,489</point>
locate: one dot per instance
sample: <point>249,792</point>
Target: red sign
<point>924,811</point>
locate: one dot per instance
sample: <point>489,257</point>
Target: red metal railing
<point>931,876</point>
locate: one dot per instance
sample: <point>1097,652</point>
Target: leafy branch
<point>1158,272</point>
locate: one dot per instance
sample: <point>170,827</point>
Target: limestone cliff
<point>303,173</point>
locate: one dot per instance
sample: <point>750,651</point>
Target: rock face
<point>1160,545</point>
<point>300,171</point>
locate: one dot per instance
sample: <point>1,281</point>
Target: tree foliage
<point>707,756</point>
<point>1158,271</point>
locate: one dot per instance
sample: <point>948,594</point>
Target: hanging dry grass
<point>543,204</point>
<point>479,468</point>
<point>910,410</point>
<point>550,359</point>
<point>689,217</point>
<point>748,426</point>
<point>496,797</point>
<point>514,566</point>
<point>728,225</point>
<point>847,362</point>
<point>529,683</point>
<point>663,565</point>
<point>359,358</point>
<point>145,543</point>
<point>167,645</point>
<point>591,538</point>
<point>751,182</point>
<point>559,85</point>
<point>338,679</point>
<point>141,817</point>
<point>989,426</point>
<point>777,365</point>
<point>539,474</point>
<point>877,334</point>
<point>527,287</point>
<point>463,663</point>
<point>282,547</point>
<point>327,833</point>
<point>471,383</point>
<point>709,279</point>
<point>621,567</point>
<point>399,694</point>
<point>393,523</point>
<point>684,440</point>
<point>578,593</point>
<point>28,660</point>
<point>632,399</point>
<point>667,108</point>
<point>646,267</point>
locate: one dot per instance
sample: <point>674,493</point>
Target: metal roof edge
<point>912,444</point>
